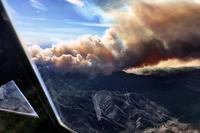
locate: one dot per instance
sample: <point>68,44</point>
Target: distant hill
<point>166,71</point>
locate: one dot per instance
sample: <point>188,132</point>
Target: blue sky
<point>42,21</point>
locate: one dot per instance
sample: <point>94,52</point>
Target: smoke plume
<point>143,35</point>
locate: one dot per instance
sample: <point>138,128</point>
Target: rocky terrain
<point>123,102</point>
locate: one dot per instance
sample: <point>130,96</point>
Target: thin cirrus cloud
<point>76,2</point>
<point>103,25</point>
<point>39,19</point>
<point>38,5</point>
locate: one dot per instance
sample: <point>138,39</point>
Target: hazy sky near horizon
<point>43,21</point>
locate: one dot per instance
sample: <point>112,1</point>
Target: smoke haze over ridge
<point>144,34</point>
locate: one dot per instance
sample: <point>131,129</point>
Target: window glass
<point>116,65</point>
<point>12,100</point>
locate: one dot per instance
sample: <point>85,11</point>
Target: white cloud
<point>197,1</point>
<point>76,2</point>
<point>39,19</point>
<point>90,24</point>
<point>38,5</point>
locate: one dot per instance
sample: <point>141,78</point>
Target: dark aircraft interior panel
<point>3,57</point>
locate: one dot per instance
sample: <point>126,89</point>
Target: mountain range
<point>124,102</point>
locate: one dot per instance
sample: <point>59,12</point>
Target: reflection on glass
<point>116,66</point>
<point>12,100</point>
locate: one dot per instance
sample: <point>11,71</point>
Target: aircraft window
<point>12,100</point>
<point>114,66</point>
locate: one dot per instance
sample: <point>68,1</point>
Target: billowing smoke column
<point>159,32</point>
<point>88,54</point>
<point>143,35</point>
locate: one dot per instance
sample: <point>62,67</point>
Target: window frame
<point>47,104</point>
